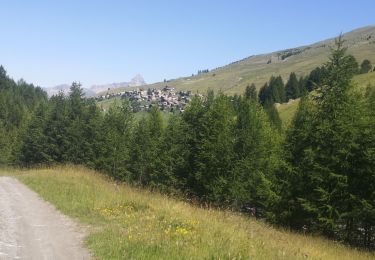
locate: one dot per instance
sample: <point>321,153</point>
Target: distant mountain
<point>65,88</point>
<point>92,91</point>
<point>137,81</point>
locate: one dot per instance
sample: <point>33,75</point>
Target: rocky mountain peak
<point>137,81</point>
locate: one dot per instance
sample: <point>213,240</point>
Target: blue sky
<point>53,42</point>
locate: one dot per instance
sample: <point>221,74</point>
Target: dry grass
<point>129,223</point>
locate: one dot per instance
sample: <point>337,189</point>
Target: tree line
<point>315,176</point>
<point>275,91</point>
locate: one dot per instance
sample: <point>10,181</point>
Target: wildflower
<point>182,231</point>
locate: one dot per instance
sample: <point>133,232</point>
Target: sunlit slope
<point>130,223</point>
<point>233,78</point>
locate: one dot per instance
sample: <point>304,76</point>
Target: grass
<point>364,80</point>
<point>129,223</point>
<point>287,111</point>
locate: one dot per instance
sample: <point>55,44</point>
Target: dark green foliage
<point>273,91</point>
<point>66,129</point>
<point>55,130</point>
<point>277,88</point>
<point>295,184</point>
<point>175,153</point>
<point>215,149</point>
<point>315,78</point>
<point>292,87</point>
<point>146,151</point>
<point>251,92</point>
<point>33,150</point>
<point>256,159</point>
<point>18,101</point>
<point>329,149</point>
<point>353,66</point>
<point>273,115</point>
<point>366,67</point>
<point>264,94</point>
<point>116,132</point>
<point>302,83</point>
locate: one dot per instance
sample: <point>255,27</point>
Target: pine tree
<point>277,90</point>
<point>56,132</point>
<point>193,132</point>
<point>116,144</point>
<point>366,66</point>
<point>251,92</point>
<point>302,83</point>
<point>315,78</point>
<point>273,116</point>
<point>273,91</point>
<point>175,170</point>
<point>352,64</point>
<point>146,152</point>
<point>323,152</point>
<point>252,178</point>
<point>264,95</point>
<point>78,146</point>
<point>292,87</point>
<point>294,182</point>
<point>215,149</point>
<point>34,145</point>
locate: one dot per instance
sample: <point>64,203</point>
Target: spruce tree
<point>273,115</point>
<point>251,92</point>
<point>366,66</point>
<point>34,147</point>
<point>325,157</point>
<point>215,149</point>
<point>292,87</point>
<point>146,152</point>
<point>256,158</point>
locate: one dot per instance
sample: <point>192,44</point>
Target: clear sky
<point>53,42</point>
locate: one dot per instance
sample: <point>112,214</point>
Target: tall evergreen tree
<point>116,144</point>
<point>251,92</point>
<point>264,94</point>
<point>215,149</point>
<point>277,89</point>
<point>292,87</point>
<point>366,66</point>
<point>252,178</point>
<point>273,115</point>
<point>56,129</point>
<point>323,152</point>
<point>34,150</point>
<point>145,152</point>
<point>315,78</point>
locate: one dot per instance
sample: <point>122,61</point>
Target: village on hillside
<point>167,99</point>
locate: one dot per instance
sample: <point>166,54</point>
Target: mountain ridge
<point>93,90</point>
<point>234,77</point>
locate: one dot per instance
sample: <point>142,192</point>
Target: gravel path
<point>31,228</point>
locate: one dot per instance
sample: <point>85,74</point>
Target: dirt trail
<point>31,228</point>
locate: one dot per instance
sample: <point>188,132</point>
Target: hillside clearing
<point>129,223</point>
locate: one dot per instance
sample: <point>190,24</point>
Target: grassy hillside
<point>287,110</point>
<point>233,78</point>
<point>129,223</point>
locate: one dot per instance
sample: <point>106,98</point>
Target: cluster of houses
<point>141,100</point>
